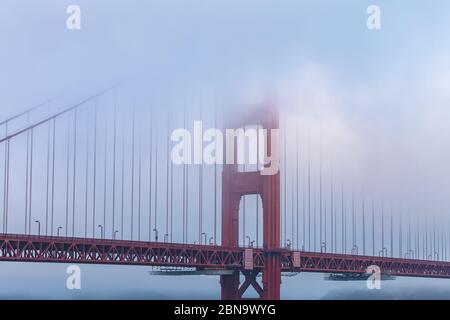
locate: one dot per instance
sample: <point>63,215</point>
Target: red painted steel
<point>22,248</point>
<point>237,184</point>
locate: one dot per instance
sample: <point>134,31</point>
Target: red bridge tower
<point>237,184</point>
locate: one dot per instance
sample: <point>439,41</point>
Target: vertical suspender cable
<point>132,171</point>
<point>258,168</point>
<point>353,219</point>
<point>373,228</point>
<point>315,219</point>
<point>31,178</point>
<point>296,184</point>
<point>200,191</point>
<point>52,212</point>
<point>105,164</point>
<point>187,205</point>
<point>5,181</point>
<point>122,203</point>
<point>215,182</point>
<point>320,197</point>
<point>113,223</point>
<point>171,197</point>
<point>87,181</point>
<point>26,181</point>
<point>47,180</point>
<point>139,181</point>
<point>400,237</point>
<point>382,230</point>
<point>309,196</point>
<point>6,203</point>
<point>292,210</point>
<point>166,234</point>
<point>156,186</point>
<point>392,235</point>
<point>74,172</point>
<point>243,214</point>
<point>332,212</point>
<point>95,170</point>
<point>67,179</point>
<point>343,221</point>
<point>284,184</point>
<point>184,182</point>
<point>304,209</point>
<point>364,225</point>
<point>4,178</point>
<point>150,147</point>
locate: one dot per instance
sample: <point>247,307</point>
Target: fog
<point>370,107</point>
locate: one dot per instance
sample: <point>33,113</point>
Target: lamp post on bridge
<point>323,247</point>
<point>166,237</point>
<point>204,235</point>
<point>211,241</point>
<point>115,234</point>
<point>57,231</point>
<point>156,234</point>
<point>288,243</point>
<point>39,227</point>
<point>101,230</point>
<point>249,240</point>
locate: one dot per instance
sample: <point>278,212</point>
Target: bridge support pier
<point>230,286</point>
<point>238,184</point>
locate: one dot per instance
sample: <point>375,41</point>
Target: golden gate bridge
<point>94,184</point>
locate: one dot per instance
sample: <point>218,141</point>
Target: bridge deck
<point>23,248</point>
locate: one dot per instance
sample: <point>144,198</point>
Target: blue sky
<point>380,96</point>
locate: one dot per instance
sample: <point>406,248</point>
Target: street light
<point>211,242</point>
<point>249,240</point>
<point>39,227</point>
<point>436,254</point>
<point>57,231</point>
<point>252,243</point>
<point>115,233</point>
<point>323,247</point>
<point>288,243</point>
<point>166,237</point>
<point>101,230</point>
<point>156,234</point>
<point>204,235</point>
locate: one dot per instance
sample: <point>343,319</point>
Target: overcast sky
<point>374,103</point>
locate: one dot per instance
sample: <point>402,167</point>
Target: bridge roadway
<point>33,248</point>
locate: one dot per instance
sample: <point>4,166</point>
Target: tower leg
<point>272,278</point>
<point>230,286</point>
